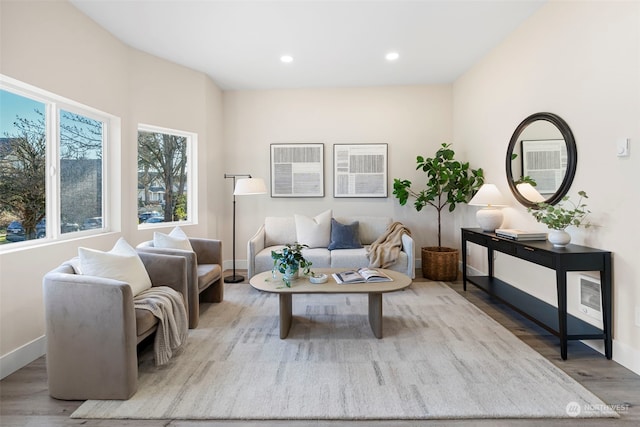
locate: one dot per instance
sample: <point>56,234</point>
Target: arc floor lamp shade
<point>244,186</point>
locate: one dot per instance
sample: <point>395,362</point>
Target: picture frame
<point>360,170</point>
<point>297,170</point>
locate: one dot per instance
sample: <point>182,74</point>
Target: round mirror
<point>541,160</point>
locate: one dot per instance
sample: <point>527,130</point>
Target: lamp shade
<point>249,186</point>
<point>488,195</point>
<point>529,192</point>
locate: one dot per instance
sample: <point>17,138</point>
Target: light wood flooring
<point>24,400</point>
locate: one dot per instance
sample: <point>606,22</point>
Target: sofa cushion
<point>349,258</point>
<point>313,232</point>
<point>208,273</point>
<point>120,263</point>
<point>319,257</point>
<point>177,239</point>
<point>279,230</point>
<point>263,259</point>
<point>145,320</point>
<point>344,236</point>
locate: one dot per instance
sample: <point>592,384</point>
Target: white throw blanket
<point>168,306</point>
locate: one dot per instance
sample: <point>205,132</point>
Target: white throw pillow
<point>120,263</point>
<point>177,239</point>
<point>315,232</point>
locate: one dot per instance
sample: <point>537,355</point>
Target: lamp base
<point>489,218</point>
<point>234,279</point>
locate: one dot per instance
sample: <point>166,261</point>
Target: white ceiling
<point>334,43</point>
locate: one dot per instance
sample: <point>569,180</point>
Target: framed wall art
<point>297,170</point>
<point>360,170</point>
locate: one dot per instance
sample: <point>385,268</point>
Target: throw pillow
<point>314,232</point>
<point>177,239</point>
<point>120,263</point>
<point>344,236</point>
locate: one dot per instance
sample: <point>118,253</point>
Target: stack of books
<point>513,234</point>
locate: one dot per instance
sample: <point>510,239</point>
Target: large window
<point>165,175</point>
<point>51,165</point>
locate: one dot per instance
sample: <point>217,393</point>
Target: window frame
<point>53,104</point>
<point>192,173</point>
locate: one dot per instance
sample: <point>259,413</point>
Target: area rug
<point>440,358</point>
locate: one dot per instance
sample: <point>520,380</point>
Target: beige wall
<point>580,60</point>
<point>412,120</point>
<point>560,60</point>
<point>54,47</point>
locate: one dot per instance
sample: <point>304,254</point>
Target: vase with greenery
<point>289,261</point>
<point>562,215</point>
<point>449,182</point>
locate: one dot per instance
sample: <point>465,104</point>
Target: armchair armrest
<point>254,246</point>
<point>191,296</point>
<point>409,248</point>
<point>209,251</point>
<point>91,337</point>
<point>167,270</point>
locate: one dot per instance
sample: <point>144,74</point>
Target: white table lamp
<point>489,218</point>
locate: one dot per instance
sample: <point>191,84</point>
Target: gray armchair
<point>93,329</point>
<point>204,272</point>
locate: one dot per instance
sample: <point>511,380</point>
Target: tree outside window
<point>73,192</point>
<point>163,160</point>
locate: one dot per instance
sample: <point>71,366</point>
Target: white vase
<point>559,238</point>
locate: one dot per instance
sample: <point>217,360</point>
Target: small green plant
<point>563,214</point>
<point>289,260</point>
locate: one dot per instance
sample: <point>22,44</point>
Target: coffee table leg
<point>375,313</point>
<point>285,315</point>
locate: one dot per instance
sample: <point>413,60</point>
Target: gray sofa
<point>278,231</point>
<point>93,329</point>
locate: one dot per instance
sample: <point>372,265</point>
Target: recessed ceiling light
<point>286,58</point>
<point>392,56</point>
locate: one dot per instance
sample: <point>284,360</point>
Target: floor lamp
<point>242,187</point>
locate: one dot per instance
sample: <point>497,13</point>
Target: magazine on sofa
<point>361,275</point>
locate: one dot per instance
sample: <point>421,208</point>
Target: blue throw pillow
<point>344,236</point>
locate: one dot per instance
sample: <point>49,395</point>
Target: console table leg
<point>605,288</point>
<point>375,314</point>
<point>561,281</point>
<point>286,312</point>
<point>464,263</point>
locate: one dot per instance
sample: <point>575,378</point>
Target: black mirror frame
<point>572,157</point>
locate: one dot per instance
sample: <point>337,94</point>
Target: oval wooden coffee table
<point>265,282</point>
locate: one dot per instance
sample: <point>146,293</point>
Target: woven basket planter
<point>440,263</point>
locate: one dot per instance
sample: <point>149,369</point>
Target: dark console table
<point>554,319</point>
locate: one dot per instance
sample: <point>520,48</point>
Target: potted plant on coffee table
<point>561,216</point>
<point>448,183</point>
<point>289,261</point>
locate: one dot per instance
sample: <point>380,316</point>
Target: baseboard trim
<point>241,264</point>
<point>22,356</point>
<point>627,356</point>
